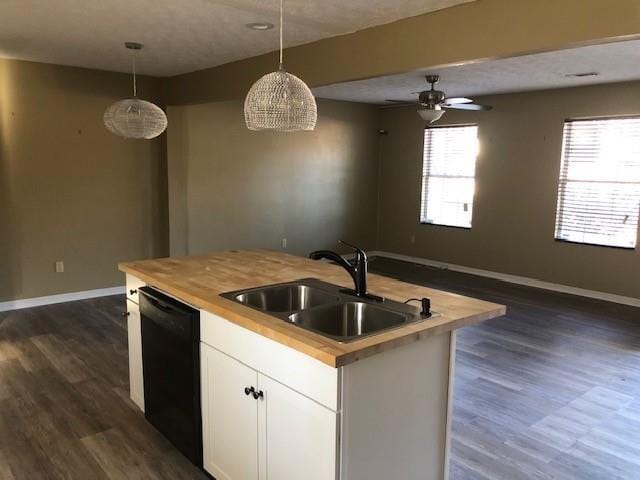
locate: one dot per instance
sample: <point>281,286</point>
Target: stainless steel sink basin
<point>286,298</point>
<point>346,321</point>
<point>327,309</point>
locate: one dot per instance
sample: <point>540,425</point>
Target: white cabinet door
<point>298,437</point>
<point>136,383</point>
<point>229,417</point>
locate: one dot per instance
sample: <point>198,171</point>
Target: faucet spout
<point>333,256</point>
<point>357,269</point>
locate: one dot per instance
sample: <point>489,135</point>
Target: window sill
<point>572,242</point>
<point>446,226</point>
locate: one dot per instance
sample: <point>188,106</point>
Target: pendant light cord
<point>135,90</point>
<point>281,27</point>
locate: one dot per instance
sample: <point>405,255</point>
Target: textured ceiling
<point>615,62</point>
<point>180,35</point>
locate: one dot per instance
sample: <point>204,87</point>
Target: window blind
<point>599,188</point>
<point>448,175</point>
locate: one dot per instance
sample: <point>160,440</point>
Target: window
<point>448,175</point>
<point>599,189</point>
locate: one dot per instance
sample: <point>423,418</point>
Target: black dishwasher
<point>171,370</point>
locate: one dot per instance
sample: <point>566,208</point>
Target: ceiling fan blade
<point>467,106</point>
<point>398,103</point>
<point>401,101</point>
<point>457,100</point>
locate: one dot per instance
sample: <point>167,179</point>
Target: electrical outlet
<point>412,239</point>
<point>59,266</point>
<point>284,243</point>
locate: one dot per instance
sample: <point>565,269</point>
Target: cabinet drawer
<point>133,284</point>
<point>298,371</point>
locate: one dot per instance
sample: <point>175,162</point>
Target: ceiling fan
<point>435,102</point>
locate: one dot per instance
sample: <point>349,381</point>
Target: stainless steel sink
<point>327,309</point>
<point>286,298</point>
<point>350,320</point>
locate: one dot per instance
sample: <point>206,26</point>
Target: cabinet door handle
<point>132,292</point>
<point>125,314</point>
<point>248,391</point>
<point>259,394</point>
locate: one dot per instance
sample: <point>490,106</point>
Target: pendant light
<point>132,117</point>
<point>280,101</point>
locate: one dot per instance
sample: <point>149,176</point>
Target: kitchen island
<point>375,407</point>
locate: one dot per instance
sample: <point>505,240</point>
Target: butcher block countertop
<point>199,281</point>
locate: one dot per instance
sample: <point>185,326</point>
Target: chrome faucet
<point>357,269</point>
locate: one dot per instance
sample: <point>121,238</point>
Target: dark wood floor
<point>65,411</point>
<point>551,391</point>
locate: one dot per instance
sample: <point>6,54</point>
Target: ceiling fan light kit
<point>280,101</point>
<point>134,118</point>
<point>430,115</point>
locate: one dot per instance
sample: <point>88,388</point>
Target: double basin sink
<point>326,309</point>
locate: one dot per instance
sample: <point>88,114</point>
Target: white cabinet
<point>229,417</point>
<point>280,435</point>
<point>297,435</point>
<point>287,366</point>
<point>133,284</point>
<point>136,384</point>
<point>383,417</point>
<point>134,330</point>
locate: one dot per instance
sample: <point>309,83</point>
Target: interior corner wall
<point>69,189</point>
<point>230,187</point>
<point>516,190</point>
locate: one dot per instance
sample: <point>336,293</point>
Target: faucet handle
<point>359,251</point>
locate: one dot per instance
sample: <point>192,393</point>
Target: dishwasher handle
<point>163,307</point>
<point>164,302</point>
<point>168,314</point>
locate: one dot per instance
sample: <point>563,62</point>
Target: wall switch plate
<point>284,243</point>
<point>59,266</point>
<point>412,239</point>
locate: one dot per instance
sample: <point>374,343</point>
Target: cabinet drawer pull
<point>248,391</point>
<point>133,292</point>
<point>258,395</point>
<point>125,314</point>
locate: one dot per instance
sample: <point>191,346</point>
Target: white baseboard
<point>505,277</point>
<point>61,298</point>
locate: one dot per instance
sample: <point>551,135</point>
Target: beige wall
<point>516,183</point>
<point>69,189</point>
<point>233,188</point>
<point>465,33</point>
